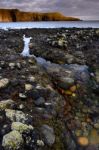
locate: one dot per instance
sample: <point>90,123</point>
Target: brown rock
<point>83,141</point>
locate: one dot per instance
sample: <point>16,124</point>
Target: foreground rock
<point>51,105</point>
<point>4,82</point>
<point>18,126</point>
<point>49,135</point>
<point>12,141</point>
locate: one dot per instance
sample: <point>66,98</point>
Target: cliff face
<point>14,15</point>
<point>5,15</point>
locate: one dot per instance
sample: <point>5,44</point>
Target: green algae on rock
<point>12,141</point>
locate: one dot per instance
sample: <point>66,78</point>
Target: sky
<point>83,9</point>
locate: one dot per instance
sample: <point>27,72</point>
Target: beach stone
<point>83,141</point>
<point>65,82</point>
<point>31,78</point>
<point>60,42</point>
<point>40,143</point>
<point>32,61</point>
<point>4,82</point>
<point>28,87</point>
<point>31,45</point>
<point>12,141</point>
<point>6,104</point>
<point>22,96</point>
<point>40,101</point>
<point>48,134</point>
<point>20,127</point>
<point>18,65</point>
<point>16,116</point>
<point>12,65</point>
<point>97,75</point>
<point>21,106</point>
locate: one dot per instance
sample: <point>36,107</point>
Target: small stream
<point>26,52</point>
<point>80,72</point>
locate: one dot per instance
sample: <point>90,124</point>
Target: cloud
<point>85,9</point>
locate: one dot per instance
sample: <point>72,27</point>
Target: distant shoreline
<point>15,15</point>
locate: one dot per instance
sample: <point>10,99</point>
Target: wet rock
<point>22,96</point>
<point>65,82</point>
<point>60,42</point>
<point>31,78</point>
<point>80,72</point>
<point>50,100</point>
<point>6,104</point>
<point>40,143</point>
<point>83,141</point>
<point>17,116</point>
<point>4,83</point>
<point>32,61</point>
<point>5,129</point>
<point>12,141</point>
<point>18,65</point>
<point>21,128</point>
<point>33,94</point>
<point>68,141</point>
<point>21,106</point>
<point>12,65</point>
<point>48,134</point>
<point>97,75</point>
<point>39,102</point>
<point>31,45</point>
<point>28,87</point>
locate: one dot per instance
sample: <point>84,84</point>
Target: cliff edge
<point>15,15</point>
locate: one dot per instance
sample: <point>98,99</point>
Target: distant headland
<point>15,15</point>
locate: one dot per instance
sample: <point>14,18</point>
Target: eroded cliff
<point>15,15</point>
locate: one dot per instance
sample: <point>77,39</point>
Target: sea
<point>49,24</point>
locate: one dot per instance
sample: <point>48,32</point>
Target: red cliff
<point>14,15</point>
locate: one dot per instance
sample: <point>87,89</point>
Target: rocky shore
<point>50,99</point>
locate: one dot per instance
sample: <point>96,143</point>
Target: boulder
<point>12,141</point>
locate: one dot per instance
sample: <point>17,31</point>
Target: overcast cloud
<point>84,9</point>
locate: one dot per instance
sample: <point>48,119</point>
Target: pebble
<point>83,141</point>
<point>31,78</point>
<point>40,143</point>
<point>4,82</point>
<point>48,134</point>
<point>65,82</point>
<point>6,104</point>
<point>28,87</point>
<point>22,95</point>
<point>40,101</point>
<point>21,106</point>
<point>12,65</point>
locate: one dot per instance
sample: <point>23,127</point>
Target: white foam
<point>25,51</point>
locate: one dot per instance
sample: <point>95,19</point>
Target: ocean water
<point>50,24</point>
